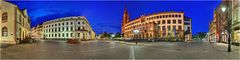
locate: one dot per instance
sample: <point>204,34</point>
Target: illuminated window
<point>4,32</point>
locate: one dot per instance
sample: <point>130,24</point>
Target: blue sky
<point>107,15</point>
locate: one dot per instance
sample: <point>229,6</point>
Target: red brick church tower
<point>125,19</point>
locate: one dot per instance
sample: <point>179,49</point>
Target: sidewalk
<point>4,45</point>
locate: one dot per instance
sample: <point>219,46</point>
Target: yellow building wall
<point>11,24</point>
<point>9,8</point>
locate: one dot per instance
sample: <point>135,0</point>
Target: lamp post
<point>229,26</point>
<point>112,36</point>
<point>136,32</point>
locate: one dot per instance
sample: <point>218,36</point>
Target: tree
<point>118,35</point>
<point>200,35</point>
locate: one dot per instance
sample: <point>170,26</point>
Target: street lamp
<point>112,36</point>
<point>229,26</point>
<point>223,9</point>
<point>136,32</point>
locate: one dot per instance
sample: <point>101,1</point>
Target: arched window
<point>4,32</point>
<point>4,17</point>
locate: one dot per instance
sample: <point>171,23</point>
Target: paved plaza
<point>106,49</point>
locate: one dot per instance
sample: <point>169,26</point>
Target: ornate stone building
<point>220,24</point>
<point>14,23</point>
<point>37,32</point>
<point>68,28</point>
<point>235,7</point>
<point>163,25</point>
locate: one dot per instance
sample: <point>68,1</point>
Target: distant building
<point>37,32</point>
<point>68,28</point>
<point>14,23</point>
<point>163,25</point>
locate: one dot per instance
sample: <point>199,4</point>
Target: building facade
<point>163,25</point>
<point>68,28</point>
<point>235,20</point>
<point>37,32</point>
<point>220,24</point>
<point>14,23</point>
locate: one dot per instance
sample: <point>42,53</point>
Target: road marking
<point>132,56</point>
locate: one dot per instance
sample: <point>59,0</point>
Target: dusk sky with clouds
<point>107,15</point>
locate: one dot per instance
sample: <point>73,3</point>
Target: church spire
<point>125,18</point>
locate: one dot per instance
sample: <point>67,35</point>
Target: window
<point>169,21</point>
<point>63,35</point>
<point>71,23</point>
<point>163,22</point>
<point>59,35</point>
<point>4,32</point>
<point>83,22</point>
<point>169,16</point>
<point>179,15</point>
<point>62,23</point>
<point>55,29</point>
<point>67,34</point>
<point>174,27</point>
<point>83,28</point>
<point>169,27</point>
<point>67,28</point>
<point>62,28</point>
<point>67,23</point>
<point>78,22</point>
<point>59,29</point>
<point>59,24</point>
<point>79,28</point>
<point>179,22</point>
<point>4,17</point>
<point>163,28</point>
<point>174,21</point>
<point>175,15</point>
<point>20,19</point>
<point>71,28</point>
<point>180,27</point>
<point>159,22</point>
